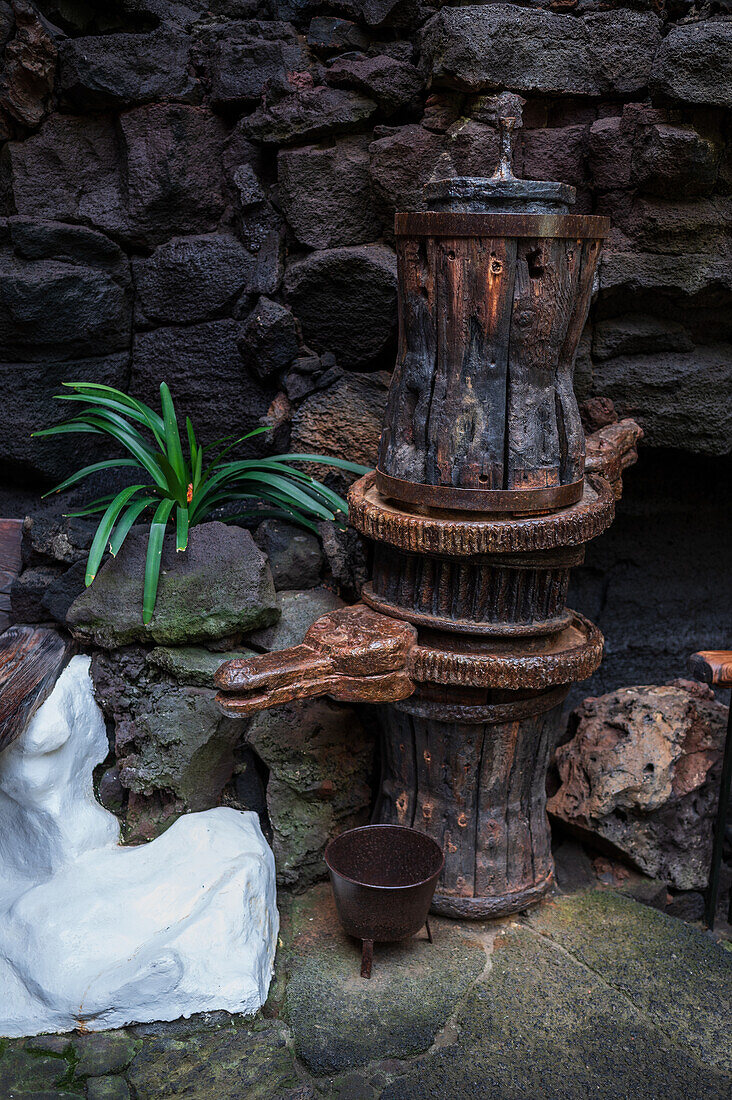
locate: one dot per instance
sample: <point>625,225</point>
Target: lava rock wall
<point>203,192</point>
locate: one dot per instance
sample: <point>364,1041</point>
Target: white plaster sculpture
<point>98,935</point>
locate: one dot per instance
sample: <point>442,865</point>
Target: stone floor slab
<point>543,1024</point>
<point>678,977</point>
<point>339,1019</point>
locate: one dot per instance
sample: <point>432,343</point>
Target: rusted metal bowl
<point>383,879</point>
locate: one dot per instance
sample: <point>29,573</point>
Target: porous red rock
<point>641,774</point>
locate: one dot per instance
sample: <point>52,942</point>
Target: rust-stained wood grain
<point>712,666</point>
<point>11,533</point>
<point>31,660</point>
<point>475,784</point>
<point>481,399</point>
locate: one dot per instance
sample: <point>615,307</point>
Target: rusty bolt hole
<point>535,260</point>
<point>496,267</point>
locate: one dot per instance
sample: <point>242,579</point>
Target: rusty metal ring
<point>513,671</point>
<point>451,498</point>
<point>448,224</point>
<point>467,536</point>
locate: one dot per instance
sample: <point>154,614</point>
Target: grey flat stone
<point>192,664</point>
<point>103,1052</point>
<point>675,975</point>
<point>340,1020</point>
<point>107,1088</point>
<point>234,1060</point>
<point>543,1025</point>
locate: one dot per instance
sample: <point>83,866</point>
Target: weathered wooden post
<point>479,507</point>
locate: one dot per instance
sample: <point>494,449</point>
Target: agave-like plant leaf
<point>109,464</point>
<point>104,530</point>
<point>181,528</point>
<point>154,554</point>
<point>172,435</point>
<point>126,522</point>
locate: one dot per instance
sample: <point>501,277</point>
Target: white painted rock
<point>100,935</point>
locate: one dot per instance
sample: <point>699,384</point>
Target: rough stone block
<point>674,161</point>
<point>694,64</point>
<point>172,170</point>
<point>29,65</point>
<point>69,170</point>
<point>680,399</point>
<point>294,554</point>
<point>26,405</point>
<point>501,46</point>
<point>556,153</point>
<point>307,113</point>
<point>269,341</point>
<point>320,758</point>
<point>197,362</point>
<point>122,70</point>
<point>394,85</point>
<point>190,279</point>
<point>403,160</point>
<point>300,609</point>
<point>344,419</point>
<point>345,299</point>
<point>326,194</point>
<point>64,290</point>
<point>242,60</point>
<point>219,586</point>
<point>638,334</point>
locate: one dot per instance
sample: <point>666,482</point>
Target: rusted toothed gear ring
<point>532,671</point>
<point>382,521</point>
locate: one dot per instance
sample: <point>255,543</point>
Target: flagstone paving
<point>588,995</point>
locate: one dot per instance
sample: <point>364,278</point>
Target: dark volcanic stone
<point>27,592</point>
<point>327,34</point>
<point>344,419</point>
<point>320,760</point>
<point>659,565</point>
<point>64,290</point>
<point>242,60</point>
<point>556,153</point>
<point>172,158</point>
<point>27,404</point>
<point>294,554</point>
<point>633,334</point>
<point>191,279</point>
<point>29,67</point>
<point>122,70</point>
<point>394,84</point>
<point>694,64</point>
<point>500,46</point>
<point>300,608</point>
<point>197,362</point>
<point>681,399</point>
<point>69,170</point>
<point>345,299</point>
<point>61,593</point>
<point>674,160</point>
<point>308,114</point>
<point>141,182</point>
<point>326,194</point>
<point>48,539</point>
<point>268,341</point>
<point>404,160</point>
<point>221,585</point>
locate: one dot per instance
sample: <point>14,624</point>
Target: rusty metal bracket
<point>353,655</point>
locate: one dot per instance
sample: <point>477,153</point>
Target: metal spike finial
<point>504,170</point>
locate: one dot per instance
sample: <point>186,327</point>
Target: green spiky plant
<point>184,489</point>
